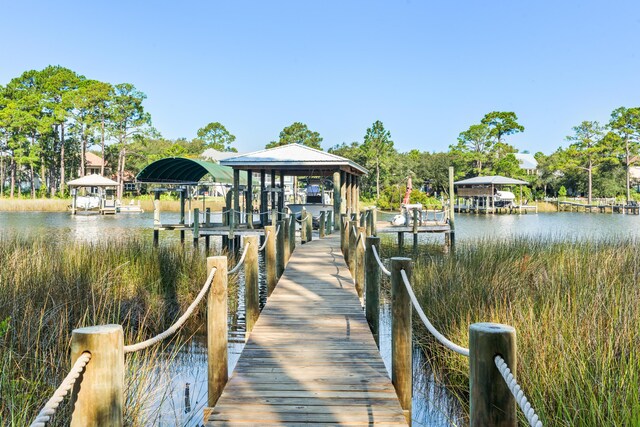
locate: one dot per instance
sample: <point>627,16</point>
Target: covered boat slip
<point>489,194</point>
<point>247,176</point>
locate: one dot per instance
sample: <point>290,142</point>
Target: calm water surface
<point>432,406</point>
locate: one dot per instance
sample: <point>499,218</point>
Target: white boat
<point>88,202</point>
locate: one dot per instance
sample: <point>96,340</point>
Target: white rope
<point>52,404</point>
<point>277,230</point>
<point>172,330</point>
<point>443,340</point>
<point>517,392</point>
<point>239,264</point>
<point>266,239</point>
<point>377,257</point>
<point>361,238</point>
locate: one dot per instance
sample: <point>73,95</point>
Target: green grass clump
<point>47,289</point>
<point>576,309</point>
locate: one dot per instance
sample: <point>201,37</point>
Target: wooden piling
<point>491,402</point>
<point>279,248</point>
<point>156,218</point>
<point>217,338</point>
<point>309,227</point>
<point>292,234</point>
<point>322,226</point>
<point>401,349</point>
<point>196,227</point>
<point>400,242</point>
<point>98,394</point>
<point>416,221</point>
<point>374,221</point>
<point>270,258</point>
<point>372,287</point>
<point>353,236</point>
<point>344,236</point>
<point>287,236</point>
<point>329,222</point>
<point>303,227</point>
<point>207,217</point>
<point>251,285</point>
<point>360,249</point>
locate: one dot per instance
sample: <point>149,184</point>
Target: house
<point>93,164</point>
<point>528,163</point>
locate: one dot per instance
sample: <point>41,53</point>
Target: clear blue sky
<point>428,70</point>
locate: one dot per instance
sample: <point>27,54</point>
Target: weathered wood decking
<point>311,358</point>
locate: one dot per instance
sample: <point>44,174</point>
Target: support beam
<point>348,191</point>
<point>273,186</point>
<point>236,199</point>
<point>249,200</point>
<point>263,199</point>
<point>281,198</point>
<point>336,198</point>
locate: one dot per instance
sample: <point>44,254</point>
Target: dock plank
<point>311,358</point>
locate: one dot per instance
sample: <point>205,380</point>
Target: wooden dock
<point>311,358</point>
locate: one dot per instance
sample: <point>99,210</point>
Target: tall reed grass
<point>47,289</point>
<point>576,309</point>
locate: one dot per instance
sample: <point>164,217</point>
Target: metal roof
<point>526,161</point>
<point>93,180</point>
<point>490,180</point>
<point>179,170</point>
<point>294,159</point>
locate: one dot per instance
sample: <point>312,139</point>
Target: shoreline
<point>63,205</point>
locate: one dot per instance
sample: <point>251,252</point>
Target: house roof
<point>217,156</point>
<point>527,161</point>
<point>294,159</point>
<point>490,180</point>
<point>93,159</point>
<point>179,170</point>
<point>93,180</point>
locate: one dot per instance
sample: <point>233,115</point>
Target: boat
<point>132,207</point>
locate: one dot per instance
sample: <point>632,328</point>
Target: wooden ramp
<point>311,358</point>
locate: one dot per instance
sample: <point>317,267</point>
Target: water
<point>431,404</point>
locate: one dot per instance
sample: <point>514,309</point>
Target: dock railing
<point>96,378</point>
<point>493,389</point>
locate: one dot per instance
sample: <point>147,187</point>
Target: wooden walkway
<point>311,358</point>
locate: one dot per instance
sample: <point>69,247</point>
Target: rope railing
<point>380,264</point>
<point>518,394</point>
<point>49,409</point>
<point>266,239</point>
<point>441,338</point>
<point>239,264</point>
<point>277,230</point>
<point>174,328</point>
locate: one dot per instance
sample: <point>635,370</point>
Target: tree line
<point>50,118</point>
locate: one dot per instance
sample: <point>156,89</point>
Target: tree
<point>377,145</point>
<point>128,121</point>
<point>216,136</point>
<point>297,133</point>
<point>475,144</point>
<point>585,148</point>
<point>625,123</point>
<point>501,123</point>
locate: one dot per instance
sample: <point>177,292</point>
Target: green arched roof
<point>178,170</point>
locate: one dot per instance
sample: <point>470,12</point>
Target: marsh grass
<point>47,289</point>
<point>576,309</point>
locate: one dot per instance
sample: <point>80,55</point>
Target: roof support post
<point>273,186</point>
<point>281,197</point>
<point>236,199</point>
<point>348,191</point>
<point>337,200</point>
<point>249,199</point>
<point>263,199</point>
<point>354,196</point>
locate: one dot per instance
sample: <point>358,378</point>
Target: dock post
<point>491,402</point>
<point>287,243</point>
<point>182,201</point>
<point>374,221</point>
<point>329,229</point>
<point>309,227</point>
<point>359,264</point>
<point>196,227</point>
<point>415,229</point>
<point>401,242</point>
<point>251,285</point>
<point>322,226</point>
<point>363,218</point>
<point>280,249</point>
<point>401,349</point>
<point>303,226</point>
<point>156,218</point>
<point>372,287</point>
<point>344,236</point>
<point>353,238</point>
<point>217,336</point>
<point>452,226</point>
<point>336,198</point>
<point>98,395</point>
<point>292,234</point>
<point>270,258</point>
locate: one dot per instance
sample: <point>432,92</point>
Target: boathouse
<point>489,194</point>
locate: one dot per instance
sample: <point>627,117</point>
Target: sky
<point>427,70</point>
